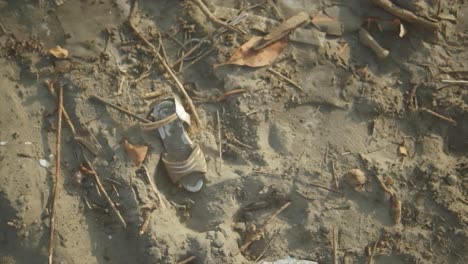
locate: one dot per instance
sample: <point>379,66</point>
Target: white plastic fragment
<point>180,110</point>
<point>44,163</point>
<point>3,143</point>
<point>194,188</point>
<point>28,143</point>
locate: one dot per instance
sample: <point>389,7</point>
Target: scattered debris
<point>137,153</point>
<point>366,38</point>
<point>59,52</point>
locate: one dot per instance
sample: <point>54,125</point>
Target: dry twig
<point>366,38</point>
<point>448,119</point>
<point>162,202</point>
<point>50,87</point>
<point>404,14</point>
<point>279,74</point>
<point>187,260</point>
<point>214,19</point>
<point>455,81</point>
<point>230,93</point>
<point>123,110</point>
<point>335,246</point>
<point>258,233</point>
<point>57,174</point>
<point>325,188</point>
<point>104,192</point>
<point>220,146</point>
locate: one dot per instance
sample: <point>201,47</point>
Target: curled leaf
<point>59,52</point>
<point>136,153</point>
<point>246,55</point>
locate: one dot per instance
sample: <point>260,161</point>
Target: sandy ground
<point>279,144</point>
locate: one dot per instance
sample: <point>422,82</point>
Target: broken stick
<point>293,83</point>
<point>404,14</point>
<point>214,19</point>
<point>366,38</point>
<point>123,110</point>
<point>187,260</point>
<point>448,119</point>
<point>150,180</point>
<point>335,246</point>
<point>106,195</point>
<point>57,174</point>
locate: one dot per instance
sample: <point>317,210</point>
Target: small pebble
<point>451,179</point>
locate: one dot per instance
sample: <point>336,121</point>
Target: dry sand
<point>279,144</point>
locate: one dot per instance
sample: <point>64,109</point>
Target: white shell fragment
<point>44,163</point>
<point>3,143</point>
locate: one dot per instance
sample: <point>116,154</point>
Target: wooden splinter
<point>366,38</point>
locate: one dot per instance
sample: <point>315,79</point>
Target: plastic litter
<point>3,143</point>
<point>44,163</point>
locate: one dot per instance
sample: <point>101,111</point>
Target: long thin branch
<point>57,174</point>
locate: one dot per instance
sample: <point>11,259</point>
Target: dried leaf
<point>59,52</point>
<point>246,55</point>
<point>137,153</point>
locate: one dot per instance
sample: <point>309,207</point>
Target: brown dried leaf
<point>59,52</point>
<point>137,153</point>
<point>246,55</point>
